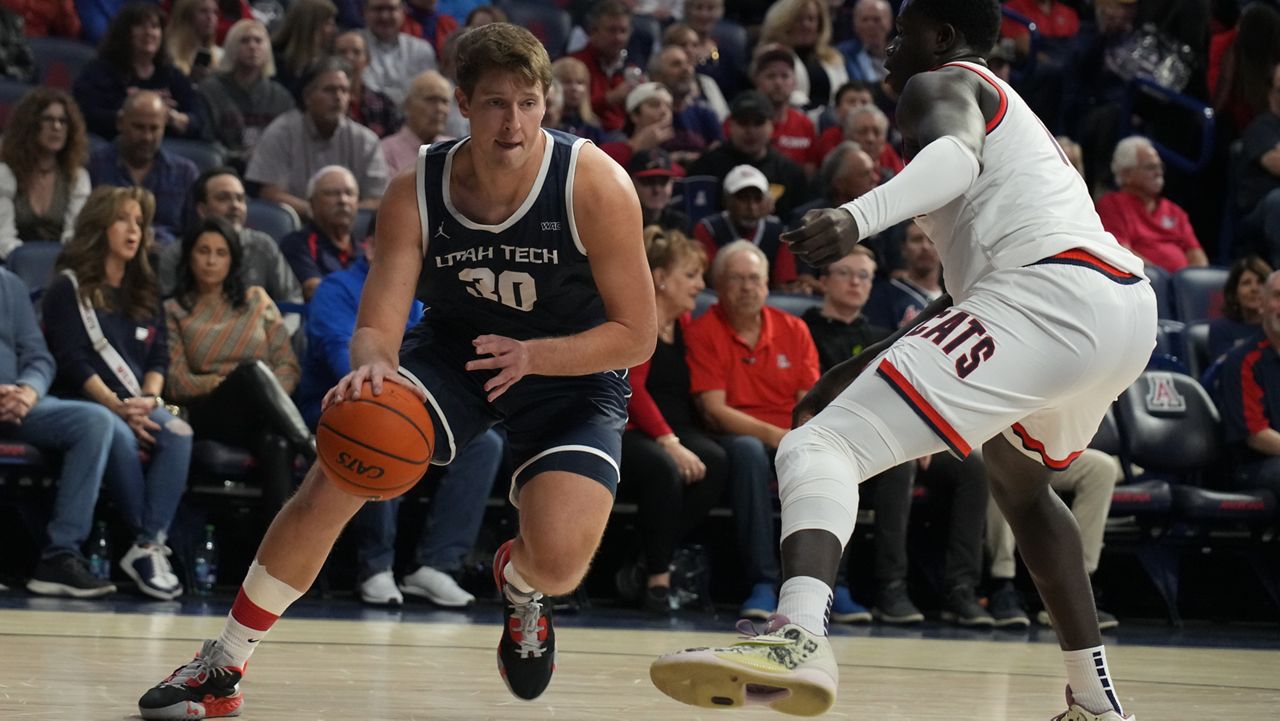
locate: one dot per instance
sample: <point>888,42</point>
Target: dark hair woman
<point>1242,298</point>
<point>103,325</point>
<point>42,182</point>
<point>230,357</point>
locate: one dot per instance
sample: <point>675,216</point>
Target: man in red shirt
<point>1150,225</point>
<point>774,73</point>
<point>608,32</point>
<point>748,365</point>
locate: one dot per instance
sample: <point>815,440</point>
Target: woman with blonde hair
<point>104,327</point>
<point>673,469</point>
<point>192,34</point>
<point>575,83</point>
<point>43,183</point>
<point>242,97</point>
<point>305,36</point>
<point>805,27</point>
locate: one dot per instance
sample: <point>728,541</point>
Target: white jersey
<point>1028,203</point>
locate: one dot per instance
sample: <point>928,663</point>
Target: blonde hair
<point>783,14</point>
<point>666,248</point>
<point>231,45</point>
<point>180,34</point>
<point>572,68</point>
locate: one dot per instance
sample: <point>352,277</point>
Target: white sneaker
<point>437,587</point>
<point>380,590</point>
<point>1076,713</point>
<point>148,566</point>
<point>786,668</point>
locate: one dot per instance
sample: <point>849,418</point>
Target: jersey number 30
<point>512,288</point>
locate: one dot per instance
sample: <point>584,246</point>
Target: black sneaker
<point>962,608</point>
<point>894,606</point>
<point>206,687</point>
<point>527,648</point>
<point>67,574</point>
<point>1006,609</point>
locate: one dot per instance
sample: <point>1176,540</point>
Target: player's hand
<point>825,237</point>
<point>508,356</point>
<point>377,373</point>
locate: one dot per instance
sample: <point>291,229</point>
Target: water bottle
<point>100,552</point>
<point>205,564</point>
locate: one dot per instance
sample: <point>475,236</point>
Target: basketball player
<point>1047,321</point>
<point>525,245</point>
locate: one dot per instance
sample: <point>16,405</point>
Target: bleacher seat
<point>1197,293</point>
<point>549,24</point>
<point>1167,354</point>
<point>697,195</point>
<point>11,91</point>
<point>33,262</point>
<point>60,60</point>
<point>1195,348</point>
<point>205,155</point>
<point>1159,280</point>
<point>274,219</point>
<point>794,303</point>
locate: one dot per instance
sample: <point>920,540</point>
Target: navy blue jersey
<point>526,278</point>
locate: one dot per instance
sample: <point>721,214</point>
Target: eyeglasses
<point>849,274</point>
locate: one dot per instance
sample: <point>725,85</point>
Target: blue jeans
<point>453,518</point>
<point>149,497</point>
<point>81,431</point>
<point>751,496</point>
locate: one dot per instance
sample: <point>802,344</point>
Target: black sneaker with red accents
<point>207,687</point>
<point>527,649</point>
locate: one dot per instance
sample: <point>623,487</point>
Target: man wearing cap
<point>747,216</point>
<point>648,123</point>
<point>774,73</point>
<point>750,127</point>
<point>695,123</point>
<point>653,174</point>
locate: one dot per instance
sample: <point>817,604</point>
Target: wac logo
<point>359,467</point>
<point>1163,395</point>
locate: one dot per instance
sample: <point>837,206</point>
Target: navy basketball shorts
<point>571,424</point>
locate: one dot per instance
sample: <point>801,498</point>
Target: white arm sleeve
<point>942,171</point>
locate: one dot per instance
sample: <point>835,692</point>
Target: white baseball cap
<point>745,176</point>
<point>646,91</point>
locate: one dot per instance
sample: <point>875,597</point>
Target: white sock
<point>238,641</point>
<point>260,602</point>
<point>515,580</point>
<point>806,602</point>
<point>1090,680</point>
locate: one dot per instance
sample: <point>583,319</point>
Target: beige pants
<point>1092,478</point>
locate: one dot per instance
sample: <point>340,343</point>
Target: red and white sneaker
<point>1075,712</point>
<point>527,648</point>
<point>207,687</point>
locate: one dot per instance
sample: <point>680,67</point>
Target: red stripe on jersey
<point>248,613</point>
<point>1036,446</point>
<point>1004,99</point>
<point>1084,256</point>
<point>1255,414</point>
<point>922,406</point>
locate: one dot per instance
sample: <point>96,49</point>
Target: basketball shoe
<point>1075,712</point>
<point>785,668</point>
<point>207,687</point>
<point>527,649</point>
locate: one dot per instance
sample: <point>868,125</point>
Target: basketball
<point>376,447</point>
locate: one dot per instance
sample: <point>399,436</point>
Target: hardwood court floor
<point>92,666</point>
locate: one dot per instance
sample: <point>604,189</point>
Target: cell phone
<point>204,58</point>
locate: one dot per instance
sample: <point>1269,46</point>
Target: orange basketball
<point>376,447</point>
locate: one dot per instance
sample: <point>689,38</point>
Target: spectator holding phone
<point>193,31</point>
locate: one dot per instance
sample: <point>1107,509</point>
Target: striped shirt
<point>209,341</point>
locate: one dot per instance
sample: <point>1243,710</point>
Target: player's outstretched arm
<point>944,129</point>
<point>388,293</point>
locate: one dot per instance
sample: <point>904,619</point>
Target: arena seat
<point>1197,293</point>
<point>60,60</point>
<point>549,24</point>
<point>1159,280</point>
<point>697,196</point>
<point>205,155</point>
<point>794,303</point>
<point>11,91</point>
<point>274,219</point>
<point>33,262</point>
<point>1195,348</point>
<point>1167,354</point>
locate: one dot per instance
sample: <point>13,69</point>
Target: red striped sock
<point>261,600</point>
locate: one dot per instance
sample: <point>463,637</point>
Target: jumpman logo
<point>440,232</point>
